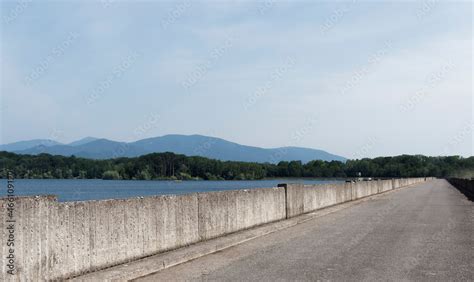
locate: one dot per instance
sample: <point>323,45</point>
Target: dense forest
<point>173,166</point>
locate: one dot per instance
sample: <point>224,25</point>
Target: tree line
<point>179,167</point>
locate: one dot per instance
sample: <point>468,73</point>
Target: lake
<point>91,189</point>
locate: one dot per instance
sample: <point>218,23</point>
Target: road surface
<point>424,232</point>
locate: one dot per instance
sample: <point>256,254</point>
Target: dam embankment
<point>59,240</point>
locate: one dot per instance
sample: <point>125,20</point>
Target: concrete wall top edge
<point>55,199</point>
<point>247,190</point>
<point>37,197</point>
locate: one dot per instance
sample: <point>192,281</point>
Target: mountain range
<point>189,145</point>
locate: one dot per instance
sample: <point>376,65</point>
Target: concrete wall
<point>307,198</point>
<point>59,240</point>
<point>294,199</point>
<point>230,211</point>
<point>385,185</point>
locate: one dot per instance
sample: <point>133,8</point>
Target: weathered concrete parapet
<point>361,189</point>
<point>302,199</point>
<point>55,241</point>
<point>230,211</point>
<point>294,199</point>
<point>30,232</point>
<point>60,240</point>
<point>384,185</point>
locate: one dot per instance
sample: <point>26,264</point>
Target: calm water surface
<point>81,190</point>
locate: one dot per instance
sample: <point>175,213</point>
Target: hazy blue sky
<point>353,78</point>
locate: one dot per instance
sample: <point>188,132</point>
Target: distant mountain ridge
<point>23,145</point>
<point>189,145</point>
<point>83,141</point>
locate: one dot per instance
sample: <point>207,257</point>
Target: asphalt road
<point>419,233</point>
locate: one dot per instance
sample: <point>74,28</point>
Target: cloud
<point>351,53</point>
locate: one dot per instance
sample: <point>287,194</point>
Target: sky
<point>355,78</point>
